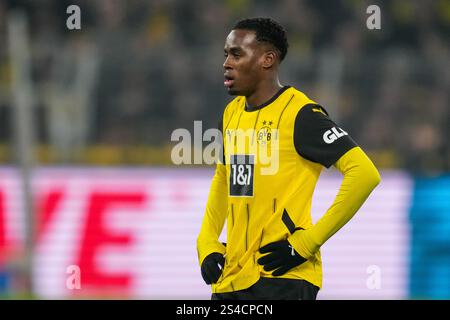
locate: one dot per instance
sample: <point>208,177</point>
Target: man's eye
<point>233,54</point>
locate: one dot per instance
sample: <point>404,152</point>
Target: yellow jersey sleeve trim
<point>360,178</point>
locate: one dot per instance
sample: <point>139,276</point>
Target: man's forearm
<point>360,178</point>
<point>215,215</point>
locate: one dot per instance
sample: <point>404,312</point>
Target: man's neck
<point>264,93</point>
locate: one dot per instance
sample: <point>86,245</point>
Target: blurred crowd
<point>139,69</point>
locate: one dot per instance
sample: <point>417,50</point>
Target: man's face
<point>243,70</point>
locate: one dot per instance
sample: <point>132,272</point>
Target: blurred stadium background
<point>86,177</point>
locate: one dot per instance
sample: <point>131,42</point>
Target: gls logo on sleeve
<point>333,134</point>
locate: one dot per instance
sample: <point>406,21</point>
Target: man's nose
<point>226,63</point>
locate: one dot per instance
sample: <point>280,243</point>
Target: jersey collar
<point>249,108</point>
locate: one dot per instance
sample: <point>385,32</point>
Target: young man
<point>272,249</point>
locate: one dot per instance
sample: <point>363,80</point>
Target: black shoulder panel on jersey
<point>317,138</point>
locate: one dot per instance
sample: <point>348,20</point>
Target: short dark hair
<point>267,30</point>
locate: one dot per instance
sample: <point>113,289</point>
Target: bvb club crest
<point>265,133</point>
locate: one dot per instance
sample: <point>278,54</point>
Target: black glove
<point>212,267</point>
<point>282,257</point>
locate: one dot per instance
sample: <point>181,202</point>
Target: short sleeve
<point>317,138</point>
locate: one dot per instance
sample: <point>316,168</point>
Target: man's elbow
<point>376,178</point>
<point>373,176</point>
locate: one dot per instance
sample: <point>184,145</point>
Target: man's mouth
<point>228,81</point>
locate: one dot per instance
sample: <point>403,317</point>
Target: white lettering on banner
<point>132,233</point>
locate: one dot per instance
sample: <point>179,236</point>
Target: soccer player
<point>272,247</point>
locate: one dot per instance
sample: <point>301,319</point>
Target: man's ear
<point>269,59</point>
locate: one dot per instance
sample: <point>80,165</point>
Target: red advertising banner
<point>131,233</point>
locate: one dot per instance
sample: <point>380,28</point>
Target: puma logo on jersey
<point>333,134</point>
<point>292,251</point>
<point>319,110</point>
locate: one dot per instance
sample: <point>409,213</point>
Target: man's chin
<point>232,92</point>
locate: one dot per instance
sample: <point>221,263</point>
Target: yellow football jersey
<point>273,156</point>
